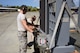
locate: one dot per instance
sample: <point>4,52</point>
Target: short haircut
<point>23,7</point>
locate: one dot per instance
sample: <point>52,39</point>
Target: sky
<point>34,3</point>
<point>76,2</point>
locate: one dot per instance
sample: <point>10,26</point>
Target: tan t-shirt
<point>19,24</point>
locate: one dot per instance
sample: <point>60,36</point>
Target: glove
<point>35,32</point>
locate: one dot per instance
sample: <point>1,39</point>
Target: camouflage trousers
<point>22,35</point>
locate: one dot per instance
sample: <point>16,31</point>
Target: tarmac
<point>9,42</point>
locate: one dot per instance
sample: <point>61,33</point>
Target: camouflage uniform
<point>22,35</point>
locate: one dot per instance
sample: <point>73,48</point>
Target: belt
<point>22,31</point>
